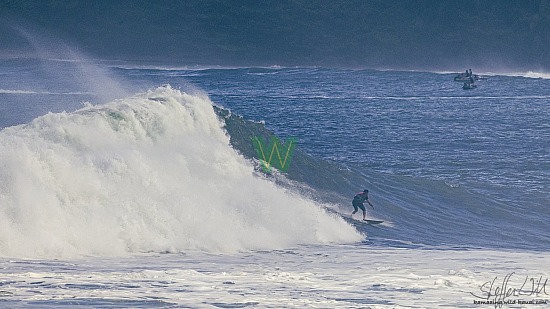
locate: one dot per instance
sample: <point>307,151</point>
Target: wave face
<point>153,172</point>
<point>419,212</point>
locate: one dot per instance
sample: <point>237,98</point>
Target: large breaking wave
<point>153,172</point>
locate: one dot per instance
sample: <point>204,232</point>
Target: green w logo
<point>275,155</point>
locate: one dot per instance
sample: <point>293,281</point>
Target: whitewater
<point>154,172</point>
<point>153,198</point>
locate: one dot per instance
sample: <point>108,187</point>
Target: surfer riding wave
<point>358,200</point>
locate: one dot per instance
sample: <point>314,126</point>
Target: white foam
<point>336,276</point>
<point>154,172</point>
<point>527,74</point>
<point>531,74</point>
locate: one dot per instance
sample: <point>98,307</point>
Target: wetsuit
<point>358,201</point>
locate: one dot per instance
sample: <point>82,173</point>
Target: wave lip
<point>153,172</point>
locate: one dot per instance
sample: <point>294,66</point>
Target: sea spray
<point>62,66</point>
<point>153,172</point>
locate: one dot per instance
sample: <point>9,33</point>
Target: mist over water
<point>55,76</point>
<point>65,67</point>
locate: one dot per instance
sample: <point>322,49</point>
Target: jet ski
<point>462,77</point>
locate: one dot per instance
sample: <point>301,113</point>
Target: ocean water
<point>122,186</point>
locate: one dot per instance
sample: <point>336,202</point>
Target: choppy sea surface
<point>119,187</point>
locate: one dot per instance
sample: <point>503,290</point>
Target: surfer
<point>358,201</point>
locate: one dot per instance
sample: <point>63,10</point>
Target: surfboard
<point>366,221</point>
<point>372,221</point>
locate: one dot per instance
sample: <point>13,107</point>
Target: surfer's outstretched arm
<point>370,204</point>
